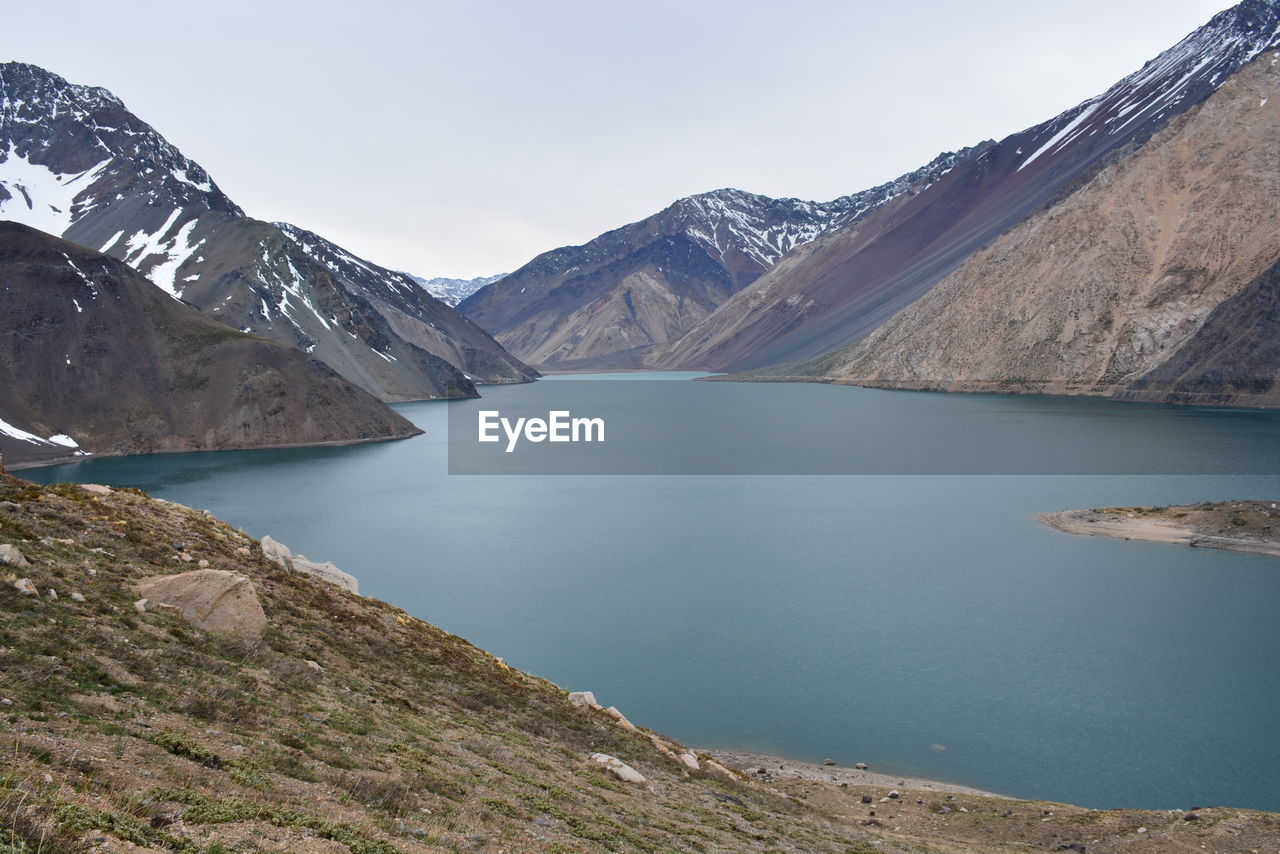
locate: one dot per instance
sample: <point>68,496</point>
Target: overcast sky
<point>463,138</point>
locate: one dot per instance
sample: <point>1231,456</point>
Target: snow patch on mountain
<point>38,196</point>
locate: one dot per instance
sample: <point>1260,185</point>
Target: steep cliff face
<point>841,287</point>
<point>1156,280</point>
<point>648,282</point>
<point>96,359</point>
<point>76,163</point>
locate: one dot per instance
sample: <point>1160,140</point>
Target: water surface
<point>925,624</point>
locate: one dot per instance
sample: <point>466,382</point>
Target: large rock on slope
<point>279,553</point>
<point>212,600</point>
<point>1157,280</point>
<point>95,358</point>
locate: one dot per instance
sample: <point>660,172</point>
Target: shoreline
<point>781,768</point>
<point>1152,526</point>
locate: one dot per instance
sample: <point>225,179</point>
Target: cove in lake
<point>867,618</point>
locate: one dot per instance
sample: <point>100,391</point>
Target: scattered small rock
<point>895,794</point>
<point>141,605</point>
<point>313,665</point>
<point>1191,817</point>
<point>828,762</point>
<point>871,822</point>
<point>76,596</point>
<point>53,594</point>
<point>620,769</point>
<point>25,587</point>
<point>10,556</point>
<point>243,551</point>
<point>861,766</point>
<point>1142,830</point>
<point>866,799</point>
<point>1071,846</point>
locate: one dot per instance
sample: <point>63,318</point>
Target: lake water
<point>926,624</point>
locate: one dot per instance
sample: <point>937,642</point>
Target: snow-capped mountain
<point>453,291</point>
<point>838,289</point>
<point>76,163</point>
<point>649,281</point>
<point>94,359</point>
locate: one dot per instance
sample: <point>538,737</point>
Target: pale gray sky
<point>463,138</point>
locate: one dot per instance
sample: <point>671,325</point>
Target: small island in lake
<point>1247,526</point>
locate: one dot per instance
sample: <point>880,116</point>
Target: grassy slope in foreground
<point>1245,526</point>
<point>135,731</point>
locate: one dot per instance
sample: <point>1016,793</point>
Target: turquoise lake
<point>926,624</point>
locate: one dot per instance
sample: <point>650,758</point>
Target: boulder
<point>279,553</point>
<point>25,587</point>
<point>721,770</point>
<point>621,770</point>
<point>10,556</point>
<point>326,572</point>
<point>213,600</point>
<point>690,761</point>
<point>613,712</point>
<point>583,699</point>
<point>96,489</point>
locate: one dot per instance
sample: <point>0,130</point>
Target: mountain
<point>1158,279</point>
<point>837,289</point>
<point>293,715</point>
<point>453,291</point>
<point>94,359</point>
<point>648,282</point>
<point>77,164</point>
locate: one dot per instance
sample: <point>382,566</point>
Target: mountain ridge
<point>841,288</point>
<point>100,361</point>
<point>644,282</point>
<point>78,164</point>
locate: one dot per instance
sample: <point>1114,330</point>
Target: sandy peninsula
<point>1247,526</point>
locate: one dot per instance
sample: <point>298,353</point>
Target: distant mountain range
<point>453,291</point>
<point>732,281</point>
<point>649,282</point>
<point>77,164</point>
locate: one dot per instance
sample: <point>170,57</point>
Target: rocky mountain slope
<point>1157,280</point>
<point>96,359</point>
<point>167,686</point>
<point>647,282</point>
<point>453,291</point>
<point>74,162</point>
<point>832,292</point>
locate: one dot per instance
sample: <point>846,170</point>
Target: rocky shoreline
<point>781,768</point>
<point>1246,526</point>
